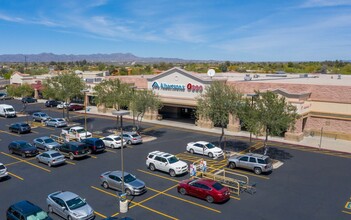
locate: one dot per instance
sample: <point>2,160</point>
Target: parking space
<point>302,184</point>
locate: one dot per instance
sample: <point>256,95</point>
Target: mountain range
<point>107,58</point>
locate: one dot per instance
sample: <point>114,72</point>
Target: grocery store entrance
<point>176,113</point>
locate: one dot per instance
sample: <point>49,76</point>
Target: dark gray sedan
<point>51,158</point>
<point>113,179</point>
<point>56,122</point>
<point>45,143</point>
<point>69,205</point>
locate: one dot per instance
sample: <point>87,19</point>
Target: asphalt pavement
<point>322,143</point>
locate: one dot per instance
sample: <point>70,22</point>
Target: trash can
<point>123,203</point>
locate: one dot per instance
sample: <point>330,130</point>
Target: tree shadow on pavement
<point>275,153</point>
<point>233,145</point>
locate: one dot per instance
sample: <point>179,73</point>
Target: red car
<point>75,107</point>
<point>207,189</point>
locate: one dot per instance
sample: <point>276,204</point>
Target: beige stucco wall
<point>327,93</point>
<point>334,128</point>
<point>330,107</point>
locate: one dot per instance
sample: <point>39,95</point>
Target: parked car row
<point>66,204</point>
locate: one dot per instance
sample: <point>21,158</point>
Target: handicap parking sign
<point>348,205</point>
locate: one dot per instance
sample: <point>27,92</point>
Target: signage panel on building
<point>177,87</point>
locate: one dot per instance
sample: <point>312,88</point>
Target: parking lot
<point>309,183</point>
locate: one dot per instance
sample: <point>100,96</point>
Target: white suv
<point>3,171</point>
<point>166,162</point>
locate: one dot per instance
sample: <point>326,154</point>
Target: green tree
<point>143,101</point>
<point>113,94</point>
<point>248,114</point>
<point>217,102</point>
<point>101,66</point>
<point>20,90</point>
<point>274,114</point>
<point>63,87</point>
<point>123,71</point>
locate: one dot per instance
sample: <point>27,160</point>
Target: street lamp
<point>252,102</point>
<point>133,90</point>
<point>123,204</point>
<point>85,111</point>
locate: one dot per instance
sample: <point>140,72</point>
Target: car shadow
<point>3,179</point>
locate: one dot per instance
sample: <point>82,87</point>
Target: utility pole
<point>25,64</point>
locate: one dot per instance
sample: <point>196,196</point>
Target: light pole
<point>120,113</point>
<point>133,92</point>
<point>85,110</point>
<point>252,102</point>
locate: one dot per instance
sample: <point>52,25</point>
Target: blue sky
<point>245,30</point>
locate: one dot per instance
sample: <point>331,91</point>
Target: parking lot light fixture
<point>85,110</point>
<point>120,114</point>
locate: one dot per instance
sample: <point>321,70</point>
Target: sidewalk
<point>327,143</point>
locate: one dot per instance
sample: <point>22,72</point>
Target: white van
<point>7,111</point>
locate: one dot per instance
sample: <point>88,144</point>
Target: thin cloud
<point>185,32</point>
<point>307,40</point>
<point>97,3</point>
<point>325,3</point>
<point>11,19</point>
<point>39,21</point>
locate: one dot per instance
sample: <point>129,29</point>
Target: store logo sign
<point>166,86</point>
<point>177,87</point>
<point>155,85</point>
<point>194,88</point>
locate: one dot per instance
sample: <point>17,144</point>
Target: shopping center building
<point>323,101</point>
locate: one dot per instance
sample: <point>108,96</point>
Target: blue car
<point>26,210</point>
<point>22,148</point>
<point>20,128</point>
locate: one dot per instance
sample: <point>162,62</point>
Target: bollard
<point>123,203</point>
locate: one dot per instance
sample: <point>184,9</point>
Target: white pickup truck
<point>76,132</point>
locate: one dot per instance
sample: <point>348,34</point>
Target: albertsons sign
<point>178,87</point>
<point>166,86</point>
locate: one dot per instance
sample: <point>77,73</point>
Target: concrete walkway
<point>327,143</point>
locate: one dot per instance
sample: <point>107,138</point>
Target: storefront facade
<point>178,91</point>
<point>323,105</point>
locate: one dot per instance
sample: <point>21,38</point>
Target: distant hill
<point>113,58</point>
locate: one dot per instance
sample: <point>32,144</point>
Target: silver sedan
<point>51,158</point>
<point>56,122</point>
<point>69,206</point>
<point>113,179</point>
<point>45,143</point>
